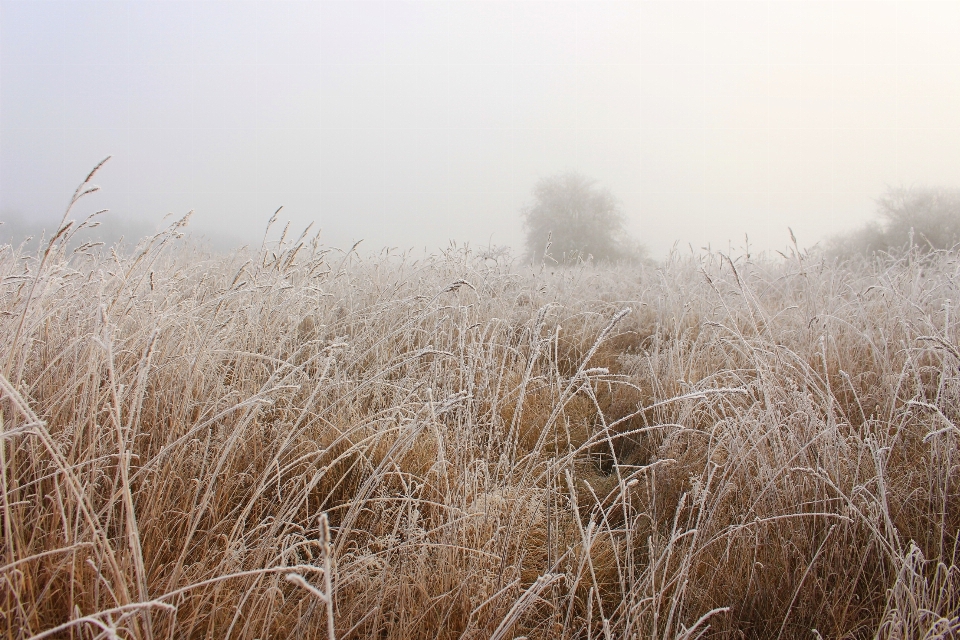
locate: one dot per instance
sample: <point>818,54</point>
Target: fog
<point>409,124</point>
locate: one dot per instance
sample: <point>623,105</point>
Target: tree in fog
<point>578,219</point>
<point>926,217</point>
<point>931,213</point>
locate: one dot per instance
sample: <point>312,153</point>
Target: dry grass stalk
<point>456,449</point>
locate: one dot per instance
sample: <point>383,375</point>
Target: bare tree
<point>930,214</point>
<point>577,219</point>
<point>927,218</point>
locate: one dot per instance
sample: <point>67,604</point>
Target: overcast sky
<point>412,123</point>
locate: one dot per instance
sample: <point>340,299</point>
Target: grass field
<point>304,443</point>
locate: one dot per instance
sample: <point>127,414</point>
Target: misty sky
<point>411,123</point>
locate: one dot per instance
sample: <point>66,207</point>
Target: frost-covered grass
<point>201,446</point>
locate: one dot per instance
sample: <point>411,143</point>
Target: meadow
<point>297,442</point>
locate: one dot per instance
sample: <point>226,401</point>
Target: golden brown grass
<point>702,449</point>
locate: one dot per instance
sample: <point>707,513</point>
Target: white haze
<point>412,123</point>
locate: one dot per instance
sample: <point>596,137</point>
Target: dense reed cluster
<point>305,443</point>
